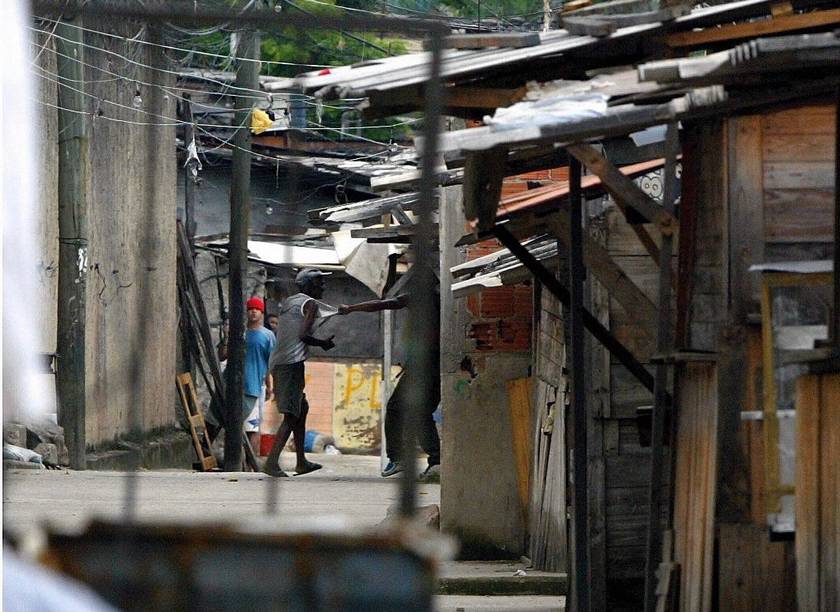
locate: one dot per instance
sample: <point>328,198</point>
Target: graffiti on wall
<point>357,393</point>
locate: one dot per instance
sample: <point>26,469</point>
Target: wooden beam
<point>739,31</point>
<point>601,333</point>
<point>484,172</point>
<point>620,286</point>
<point>483,97</point>
<point>588,26</point>
<point>746,212</point>
<point>500,40</point>
<point>622,187</point>
<point>394,231</point>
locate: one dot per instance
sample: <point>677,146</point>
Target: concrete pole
<point>387,359</point>
<point>73,161</point>
<point>189,179</point>
<point>247,77</point>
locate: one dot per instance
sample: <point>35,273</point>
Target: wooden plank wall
<point>547,508</point>
<point>695,483</point>
<point>797,152</point>
<point>818,493</point>
<point>775,204</point>
<point>626,463</point>
<point>754,573</point>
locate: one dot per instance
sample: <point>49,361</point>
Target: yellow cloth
<point>260,121</point>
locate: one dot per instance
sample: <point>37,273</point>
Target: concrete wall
<point>46,267</point>
<point>345,402</point>
<point>479,498</point>
<point>131,293</point>
<point>131,296</point>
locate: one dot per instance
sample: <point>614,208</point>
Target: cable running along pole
<point>422,305</point>
<point>247,75</point>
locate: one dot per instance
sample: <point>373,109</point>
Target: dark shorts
<point>288,389</point>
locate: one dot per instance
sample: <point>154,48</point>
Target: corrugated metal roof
<point>387,74</point>
<point>690,87</point>
<point>534,199</point>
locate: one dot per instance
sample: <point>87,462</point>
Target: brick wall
<point>319,392</point>
<point>344,402</point>
<point>502,316</point>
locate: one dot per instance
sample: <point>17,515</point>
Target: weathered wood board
<point>695,483</point>
<point>797,153</point>
<point>753,572</point>
<point>818,493</point>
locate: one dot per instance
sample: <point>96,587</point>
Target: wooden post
<point>661,403</point>
<point>247,77</point>
<point>73,161</point>
<point>580,503</point>
<point>835,312</point>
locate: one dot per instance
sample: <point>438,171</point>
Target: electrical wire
<point>170,121</point>
<point>194,51</point>
<point>362,127</point>
<point>149,67</point>
<point>105,117</point>
<point>225,86</point>
<point>47,41</point>
<point>55,78</point>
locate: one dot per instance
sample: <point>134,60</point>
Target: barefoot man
<point>297,317</point>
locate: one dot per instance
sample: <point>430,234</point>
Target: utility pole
<point>247,77</point>
<point>192,167</point>
<point>73,160</point>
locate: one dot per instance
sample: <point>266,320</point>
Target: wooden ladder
<point>195,418</point>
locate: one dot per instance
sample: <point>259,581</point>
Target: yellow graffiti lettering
<point>355,380</point>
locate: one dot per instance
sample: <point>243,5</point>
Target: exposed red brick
<point>537,175</point>
<point>484,335</point>
<point>474,304</point>
<point>559,174</point>
<point>509,189</point>
<point>497,302</point>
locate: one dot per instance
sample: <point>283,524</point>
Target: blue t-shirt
<point>258,346</point>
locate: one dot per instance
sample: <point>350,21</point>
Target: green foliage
<point>471,9</point>
<point>325,46</point>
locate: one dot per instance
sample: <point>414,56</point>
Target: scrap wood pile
<point>195,332</point>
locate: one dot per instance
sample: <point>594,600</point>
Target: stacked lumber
<point>195,331</point>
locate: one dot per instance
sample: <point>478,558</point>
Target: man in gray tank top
<point>294,337</point>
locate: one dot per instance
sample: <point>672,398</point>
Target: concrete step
<point>498,578</point>
<point>505,603</point>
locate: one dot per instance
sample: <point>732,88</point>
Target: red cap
<point>255,302</point>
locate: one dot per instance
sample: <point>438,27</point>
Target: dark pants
<point>424,430</point>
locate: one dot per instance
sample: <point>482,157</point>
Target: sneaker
<point>430,474</point>
<point>393,467</point>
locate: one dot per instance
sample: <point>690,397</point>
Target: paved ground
<point>348,486</point>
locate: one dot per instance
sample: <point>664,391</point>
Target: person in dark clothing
<point>426,430</point>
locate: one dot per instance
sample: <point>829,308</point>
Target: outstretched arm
<point>310,310</point>
<point>401,301</point>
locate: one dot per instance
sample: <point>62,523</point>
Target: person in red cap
<point>259,343</point>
